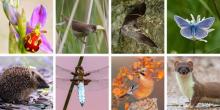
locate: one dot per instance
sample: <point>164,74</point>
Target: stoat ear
<point>190,63</point>
<point>176,63</point>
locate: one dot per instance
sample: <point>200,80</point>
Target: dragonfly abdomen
<point>81,93</point>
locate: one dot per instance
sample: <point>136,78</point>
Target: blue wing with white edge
<point>182,23</point>
<point>206,23</point>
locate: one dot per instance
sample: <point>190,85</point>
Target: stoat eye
<point>32,42</point>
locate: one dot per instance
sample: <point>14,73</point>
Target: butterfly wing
<point>185,27</point>
<point>202,28</point>
<point>206,23</point>
<point>182,23</point>
<point>201,33</point>
<point>186,32</point>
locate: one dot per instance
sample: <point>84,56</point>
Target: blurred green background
<point>183,8</point>
<point>96,42</point>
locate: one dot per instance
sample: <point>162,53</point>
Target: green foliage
<point>183,8</point>
<point>96,42</point>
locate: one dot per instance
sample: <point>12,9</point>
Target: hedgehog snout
<point>42,83</point>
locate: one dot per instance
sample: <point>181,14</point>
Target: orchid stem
<point>68,26</point>
<point>87,21</point>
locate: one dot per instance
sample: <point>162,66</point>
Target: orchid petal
<point>45,46</point>
<point>28,28</point>
<point>39,16</point>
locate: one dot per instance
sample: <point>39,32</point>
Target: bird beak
<point>99,27</point>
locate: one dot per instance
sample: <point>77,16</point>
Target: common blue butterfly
<point>195,29</point>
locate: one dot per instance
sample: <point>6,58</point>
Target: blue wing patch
<point>181,22</point>
<point>206,23</point>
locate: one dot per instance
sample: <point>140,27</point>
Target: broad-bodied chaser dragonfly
<point>92,80</point>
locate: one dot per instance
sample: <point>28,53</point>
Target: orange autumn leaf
<point>147,59</point>
<point>136,65</point>
<point>118,92</point>
<point>158,64</point>
<point>118,81</point>
<point>160,75</point>
<point>123,71</point>
<point>130,77</point>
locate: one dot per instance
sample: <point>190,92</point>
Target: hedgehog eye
<point>39,79</point>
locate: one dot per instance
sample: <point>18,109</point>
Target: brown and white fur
<point>196,91</point>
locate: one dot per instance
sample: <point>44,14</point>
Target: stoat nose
<point>184,71</point>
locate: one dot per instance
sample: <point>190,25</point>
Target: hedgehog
<point>18,82</point>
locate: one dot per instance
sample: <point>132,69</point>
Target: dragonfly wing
<point>63,73</point>
<point>96,85</point>
<point>98,77</point>
<point>63,84</point>
<point>101,73</point>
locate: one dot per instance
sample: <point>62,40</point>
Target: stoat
<point>196,91</point>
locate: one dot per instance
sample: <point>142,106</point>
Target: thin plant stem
<point>58,39</point>
<point>61,12</point>
<point>59,32</point>
<point>102,15</point>
<point>68,26</point>
<point>194,46</point>
<point>87,21</point>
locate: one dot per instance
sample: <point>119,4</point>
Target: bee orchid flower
<point>35,38</point>
<point>26,36</point>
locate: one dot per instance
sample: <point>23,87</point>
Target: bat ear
<point>176,63</point>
